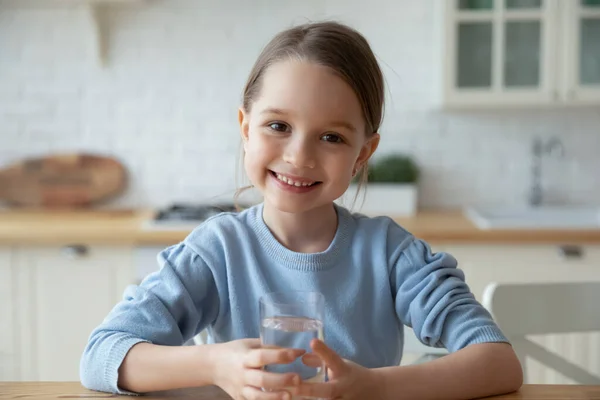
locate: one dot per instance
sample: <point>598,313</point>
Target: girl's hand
<point>238,371</point>
<point>347,380</point>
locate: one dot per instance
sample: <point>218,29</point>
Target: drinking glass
<point>291,320</point>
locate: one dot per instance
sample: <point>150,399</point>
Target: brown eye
<point>332,138</point>
<point>278,126</point>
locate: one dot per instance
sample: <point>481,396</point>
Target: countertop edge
<point>126,228</point>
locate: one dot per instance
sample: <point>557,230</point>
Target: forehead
<point>309,89</point>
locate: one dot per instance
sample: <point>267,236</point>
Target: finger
<point>260,357</point>
<point>252,393</point>
<point>334,362</point>
<point>312,360</point>
<point>270,380</point>
<point>252,343</point>
<point>327,390</point>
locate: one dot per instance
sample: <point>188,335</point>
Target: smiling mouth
<point>292,182</point>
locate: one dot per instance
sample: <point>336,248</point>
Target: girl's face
<point>304,137</point>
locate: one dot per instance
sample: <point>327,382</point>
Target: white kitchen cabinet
<point>62,294</point>
<point>8,336</point>
<point>483,264</point>
<point>500,53</point>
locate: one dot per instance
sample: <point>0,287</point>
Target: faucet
<point>538,149</point>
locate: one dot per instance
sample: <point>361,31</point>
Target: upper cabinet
<point>582,78</point>
<point>521,53</point>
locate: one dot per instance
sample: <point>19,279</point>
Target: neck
<point>307,232</point>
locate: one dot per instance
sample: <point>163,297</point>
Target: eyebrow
<point>280,111</point>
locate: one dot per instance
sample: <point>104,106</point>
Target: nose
<point>299,153</point>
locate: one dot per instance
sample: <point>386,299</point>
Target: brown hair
<point>331,44</point>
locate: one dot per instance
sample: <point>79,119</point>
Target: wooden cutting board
<point>62,180</point>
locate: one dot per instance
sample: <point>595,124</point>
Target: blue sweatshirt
<point>375,277</point>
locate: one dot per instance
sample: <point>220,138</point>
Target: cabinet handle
<point>75,251</point>
<point>570,251</point>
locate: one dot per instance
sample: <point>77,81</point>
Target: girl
<point>311,111</point>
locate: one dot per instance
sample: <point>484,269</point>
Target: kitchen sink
<point>541,217</point>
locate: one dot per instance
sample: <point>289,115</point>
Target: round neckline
<point>303,261</point>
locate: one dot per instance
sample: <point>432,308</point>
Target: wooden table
<point>74,390</point>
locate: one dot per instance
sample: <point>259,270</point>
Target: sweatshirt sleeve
<point>169,307</point>
<point>432,297</point>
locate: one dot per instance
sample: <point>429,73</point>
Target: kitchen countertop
<point>125,227</point>
<point>72,390</point>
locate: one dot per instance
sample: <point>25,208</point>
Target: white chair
<point>522,309</point>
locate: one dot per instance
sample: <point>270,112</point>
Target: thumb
<point>333,361</point>
<point>312,360</point>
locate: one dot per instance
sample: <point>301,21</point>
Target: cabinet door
<point>500,52</point>
<point>62,295</point>
<point>581,20</point>
<point>8,332</point>
<point>483,264</point>
<point>591,258</point>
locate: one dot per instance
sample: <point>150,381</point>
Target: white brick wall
<point>166,105</point>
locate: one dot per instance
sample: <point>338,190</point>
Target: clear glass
<point>474,55</point>
<point>475,5</point>
<point>291,320</point>
<point>523,4</point>
<point>522,53</point>
<point>589,56</point>
<point>590,3</point>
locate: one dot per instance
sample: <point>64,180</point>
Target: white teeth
<point>292,182</point>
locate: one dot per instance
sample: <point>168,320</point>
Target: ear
<point>367,151</point>
<point>244,124</point>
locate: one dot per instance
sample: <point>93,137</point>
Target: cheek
<point>339,175</point>
<point>253,150</point>
<point>252,158</point>
<point>256,151</point>
<point>261,145</point>
<point>253,166</point>
<point>343,166</point>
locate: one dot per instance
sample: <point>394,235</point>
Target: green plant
<point>394,168</point>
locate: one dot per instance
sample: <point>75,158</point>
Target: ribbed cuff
<point>115,358</point>
<point>484,334</point>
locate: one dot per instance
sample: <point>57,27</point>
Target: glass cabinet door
<point>589,42</point>
<point>522,53</point>
<point>474,44</point>
<point>474,5</point>
<point>474,55</point>
<point>523,45</point>
<point>523,4</point>
<point>581,22</point>
<point>500,47</point>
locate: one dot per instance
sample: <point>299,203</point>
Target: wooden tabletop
<point>123,227</point>
<point>74,390</point>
